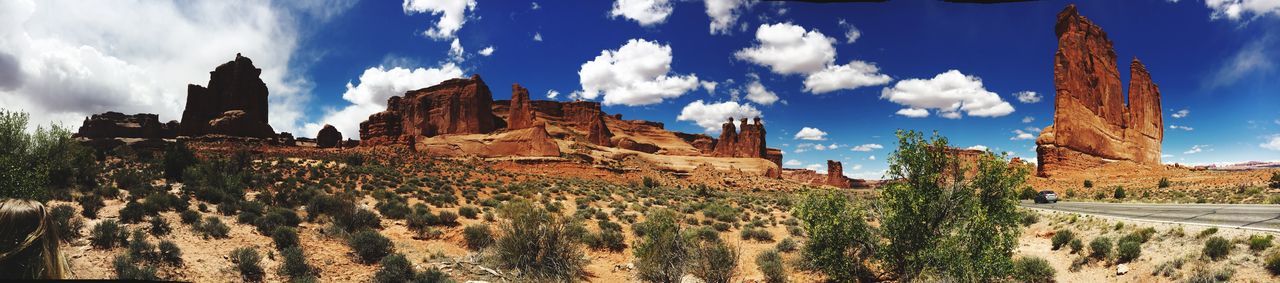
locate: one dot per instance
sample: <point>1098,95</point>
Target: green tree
<point>840,240</point>
<point>43,164</point>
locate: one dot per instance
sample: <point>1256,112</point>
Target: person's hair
<point>28,242</point>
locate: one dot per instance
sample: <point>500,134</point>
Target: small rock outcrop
<point>627,143</point>
<point>521,112</point>
<point>1092,124</point>
<point>234,103</point>
<point>328,137</point>
<point>455,106</point>
<point>835,174</point>
<point>119,125</point>
<point>745,140</point>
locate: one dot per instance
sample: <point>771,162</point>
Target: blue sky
<point>336,61</point>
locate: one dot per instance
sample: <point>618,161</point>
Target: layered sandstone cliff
<point>520,115</point>
<point>835,174</point>
<point>455,106</point>
<point>234,103</point>
<point>1092,124</point>
<point>119,125</point>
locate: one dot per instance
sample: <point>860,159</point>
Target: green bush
<point>477,236</point>
<point>772,267</point>
<point>1076,246</point>
<point>447,218</point>
<point>606,239</point>
<point>1061,238</point>
<point>44,164</point>
<point>1272,263</point>
<point>89,205</point>
<point>1275,180</point>
<point>170,253</point>
<point>214,228</point>
<point>1216,247</point>
<point>141,249</point>
<point>369,246</point>
<point>660,251</point>
<point>285,237</point>
<point>712,260</point>
<point>1100,248</point>
<point>132,212</point>
<point>1128,250</point>
<point>275,218</point>
<point>66,223</point>
<point>786,245</point>
<point>1033,269</point>
<point>159,226</point>
<point>1205,275</point>
<point>1164,183</point>
<point>249,263</point>
<point>394,268</point>
<point>1118,193</point>
<point>127,270</point>
<point>357,219</point>
<point>295,263</point>
<point>840,241</point>
<point>758,234</point>
<point>1259,243</point>
<point>538,243</point>
<point>189,217</point>
<point>1088,183</point>
<point>107,234</point>
<point>1027,193</point>
<point>177,158</point>
<point>470,212</point>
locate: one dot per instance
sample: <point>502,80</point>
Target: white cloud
<point>873,157</point>
<point>788,49</point>
<point>851,33</point>
<point>811,134</point>
<point>856,74</point>
<point>1028,119</point>
<point>535,6</point>
<point>1184,128</point>
<point>370,96</point>
<point>792,162</point>
<point>1196,149</point>
<point>1257,57</point>
<point>977,147</point>
<point>645,12</point>
<point>1028,96</point>
<point>758,94</point>
<point>867,147</point>
<point>635,74</point>
<point>826,147</point>
<point>711,116</point>
<point>710,86</point>
<point>949,93</point>
<point>61,61</point>
<point>453,14</point>
<point>1273,143</point>
<point>1241,9</point>
<point>1021,135</point>
<point>552,94</point>
<point>537,36</point>
<point>1181,113</point>
<point>455,51</point>
<point>724,13</point>
<point>486,51</point>
<point>815,167</point>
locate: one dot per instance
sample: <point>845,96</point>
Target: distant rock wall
<point>234,103</point>
<point>119,125</point>
<point>455,106</point>
<point>745,140</point>
<point>520,115</point>
<point>1092,124</point>
<point>835,174</point>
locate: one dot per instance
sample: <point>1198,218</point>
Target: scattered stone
<point>1122,269</point>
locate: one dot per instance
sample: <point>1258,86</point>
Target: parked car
<point>1046,197</point>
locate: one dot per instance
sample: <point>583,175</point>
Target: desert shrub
<point>127,270</point>
<point>1100,248</point>
<point>369,246</point>
<point>1118,193</point>
<point>219,180</point>
<point>1164,183</point>
<point>394,209</point>
<point>477,236</point>
<point>660,251</point>
<point>1169,267</point>
<point>107,234</point>
<point>66,223</point>
<point>538,243</point>
<point>840,241</point>
<point>1027,193</point>
<point>1259,243</point>
<point>1029,217</point>
<point>1128,250</point>
<point>1275,180</point>
<point>277,217</point>
<point>786,245</point>
<point>470,212</point>
<point>357,219</point>
<point>1076,245</point>
<point>89,205</point>
<point>1032,269</point>
<point>170,253</point>
<point>1061,238</point>
<point>1205,275</point>
<point>295,263</point>
<point>285,237</point>
<point>249,263</point>
<point>132,212</point>
<point>1207,232</point>
<point>447,218</point>
<point>606,239</point>
<point>1216,247</point>
<point>419,222</point>
<point>758,234</point>
<point>1088,183</point>
<point>214,228</point>
<point>721,212</point>
<point>394,268</point>
<point>771,265</point>
<point>1272,263</point>
<point>189,217</point>
<point>1144,234</point>
<point>141,249</point>
<point>159,226</point>
<point>712,260</point>
<point>177,158</point>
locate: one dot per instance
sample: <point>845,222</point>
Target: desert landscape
<point>438,180</point>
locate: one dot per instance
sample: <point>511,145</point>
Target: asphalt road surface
<point>1260,217</point>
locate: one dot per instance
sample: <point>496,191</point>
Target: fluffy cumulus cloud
<point>486,51</point>
<point>789,49</point>
<point>711,116</point>
<point>370,95</point>
<point>1180,113</point>
<point>61,61</point>
<point>635,74</point>
<point>811,134</point>
<point>453,14</point>
<point>1022,135</point>
<point>1243,9</point>
<point>867,147</point>
<point>856,74</point>
<point>851,33</point>
<point>645,12</point>
<point>949,94</point>
<point>1028,96</point>
<point>1272,143</point>
<point>552,94</point>
<point>724,13</point>
<point>1028,119</point>
<point>977,147</point>
<point>758,94</point>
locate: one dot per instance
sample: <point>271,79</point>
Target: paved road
<point>1246,216</point>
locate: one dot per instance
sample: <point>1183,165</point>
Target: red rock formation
<point>747,143</point>
<point>455,106</point>
<point>1092,125</point>
<point>627,143</point>
<point>774,155</point>
<point>598,132</point>
<point>119,125</point>
<point>233,86</point>
<point>528,142</point>
<point>521,112</point>
<point>835,174</point>
<point>328,137</point>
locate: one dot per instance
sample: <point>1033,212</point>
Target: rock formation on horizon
<point>118,125</point>
<point>521,112</point>
<point>745,140</point>
<point>835,174</point>
<point>1092,124</point>
<point>234,103</point>
<point>455,106</point>
<point>328,137</point>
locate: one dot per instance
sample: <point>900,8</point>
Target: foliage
<point>159,226</point>
<point>477,236</point>
<point>107,234</point>
<point>1275,180</point>
<point>132,212</point>
<point>711,259</point>
<point>177,158</point>
<point>1061,238</point>
<point>1259,243</point>
<point>213,227</point>
<point>786,245</point>
<point>758,234</point>
<point>369,246</point>
<point>66,222</point>
<point>1207,232</point>
<point>219,180</point>
<point>1128,249</point>
<point>1164,183</point>
<point>772,267</point>
<point>840,241</point>
<point>285,237</point>
<point>1027,193</point>
<point>1272,263</point>
<point>295,263</point>
<point>43,164</point>
<point>1216,247</point>
<point>1118,193</point>
<point>249,263</point>
<point>1100,248</point>
<point>89,205</point>
<point>660,252</point>
<point>1088,183</point>
<point>1032,269</point>
<point>127,270</point>
<point>538,243</point>
<point>1076,246</point>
